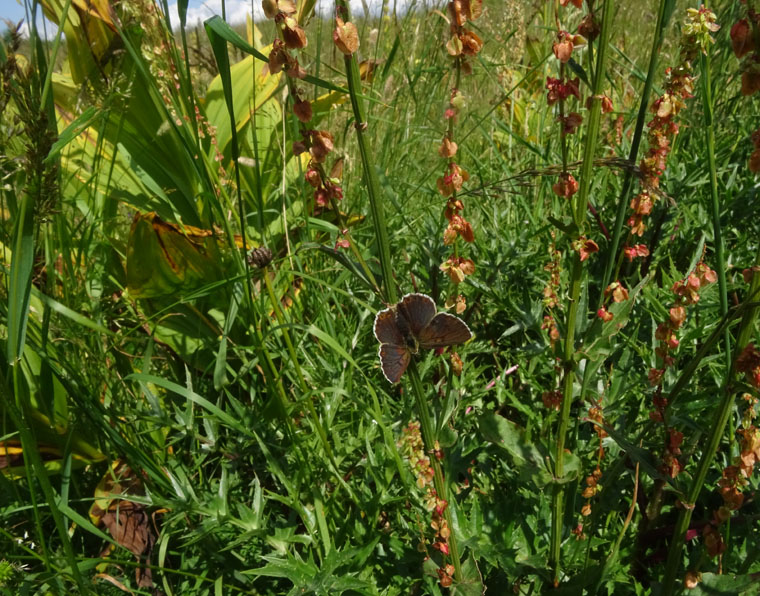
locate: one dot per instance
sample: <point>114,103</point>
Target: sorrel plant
<point>202,220</point>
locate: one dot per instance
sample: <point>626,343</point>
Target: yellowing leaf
<point>164,258</point>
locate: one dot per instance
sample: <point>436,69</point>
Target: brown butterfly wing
<point>444,330</point>
<point>416,311</point>
<point>386,330</point>
<point>393,361</point>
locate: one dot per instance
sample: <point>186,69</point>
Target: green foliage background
<point>262,439</point>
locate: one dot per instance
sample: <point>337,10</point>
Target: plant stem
<point>441,487</point>
<point>370,175</point>
<point>726,406</point>
<point>579,209</point>
<point>389,286</point>
<point>663,17</point>
<point>720,263</point>
<point>564,418</point>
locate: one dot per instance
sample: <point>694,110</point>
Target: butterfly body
<point>411,324</point>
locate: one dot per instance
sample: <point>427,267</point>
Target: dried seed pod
<point>260,257</point>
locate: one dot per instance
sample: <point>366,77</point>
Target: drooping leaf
<point>166,259</point>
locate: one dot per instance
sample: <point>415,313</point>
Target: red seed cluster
<point>413,449</point>
<point>616,292</point>
<point>686,293</point>
<point>735,477</point>
<point>318,143</point>
<point>463,44</point>
<point>595,414</point>
<point>679,85</point>
<point>559,90</point>
<point>748,362</point>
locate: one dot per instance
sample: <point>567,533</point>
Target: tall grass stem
<point>389,284</point>
<point>579,209</point>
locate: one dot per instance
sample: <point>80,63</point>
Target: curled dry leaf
<point>321,145</point>
<point>448,148</point>
<point>471,43</point>
<point>270,8</point>
<point>292,34</point>
<point>278,57</point>
<point>454,46</point>
<point>346,37</point>
<point>302,109</point>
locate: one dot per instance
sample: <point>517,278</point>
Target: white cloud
<point>197,12</point>
<point>45,29</point>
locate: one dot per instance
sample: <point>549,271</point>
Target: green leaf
<point>637,454</point>
<point>19,291</point>
<point>472,580</point>
<point>193,397</point>
<point>341,258</point>
<point>526,458</point>
<point>726,585</point>
<point>164,259</point>
<point>73,130</point>
<point>579,70</point>
<point>217,28</point>
<point>220,367</point>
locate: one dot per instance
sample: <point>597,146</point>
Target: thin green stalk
<point>746,330</point>
<point>579,209</point>
<point>720,264</point>
<point>564,418</point>
<point>370,175</point>
<point>303,386</point>
<point>389,286</point>
<point>182,11</point>
<point>726,406</point>
<point>441,487</point>
<point>663,17</point>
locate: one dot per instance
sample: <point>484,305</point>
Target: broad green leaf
<point>526,458</point>
<point>472,580</point>
<point>89,32</point>
<point>77,127</point>
<point>164,259</point>
<point>246,98</point>
<point>727,584</point>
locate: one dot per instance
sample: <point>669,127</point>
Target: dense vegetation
<point>200,226</point>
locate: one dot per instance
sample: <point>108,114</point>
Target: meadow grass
<point>191,396</point>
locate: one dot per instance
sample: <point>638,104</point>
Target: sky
<point>198,10</point>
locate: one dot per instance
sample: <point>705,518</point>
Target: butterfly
<point>409,325</point>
